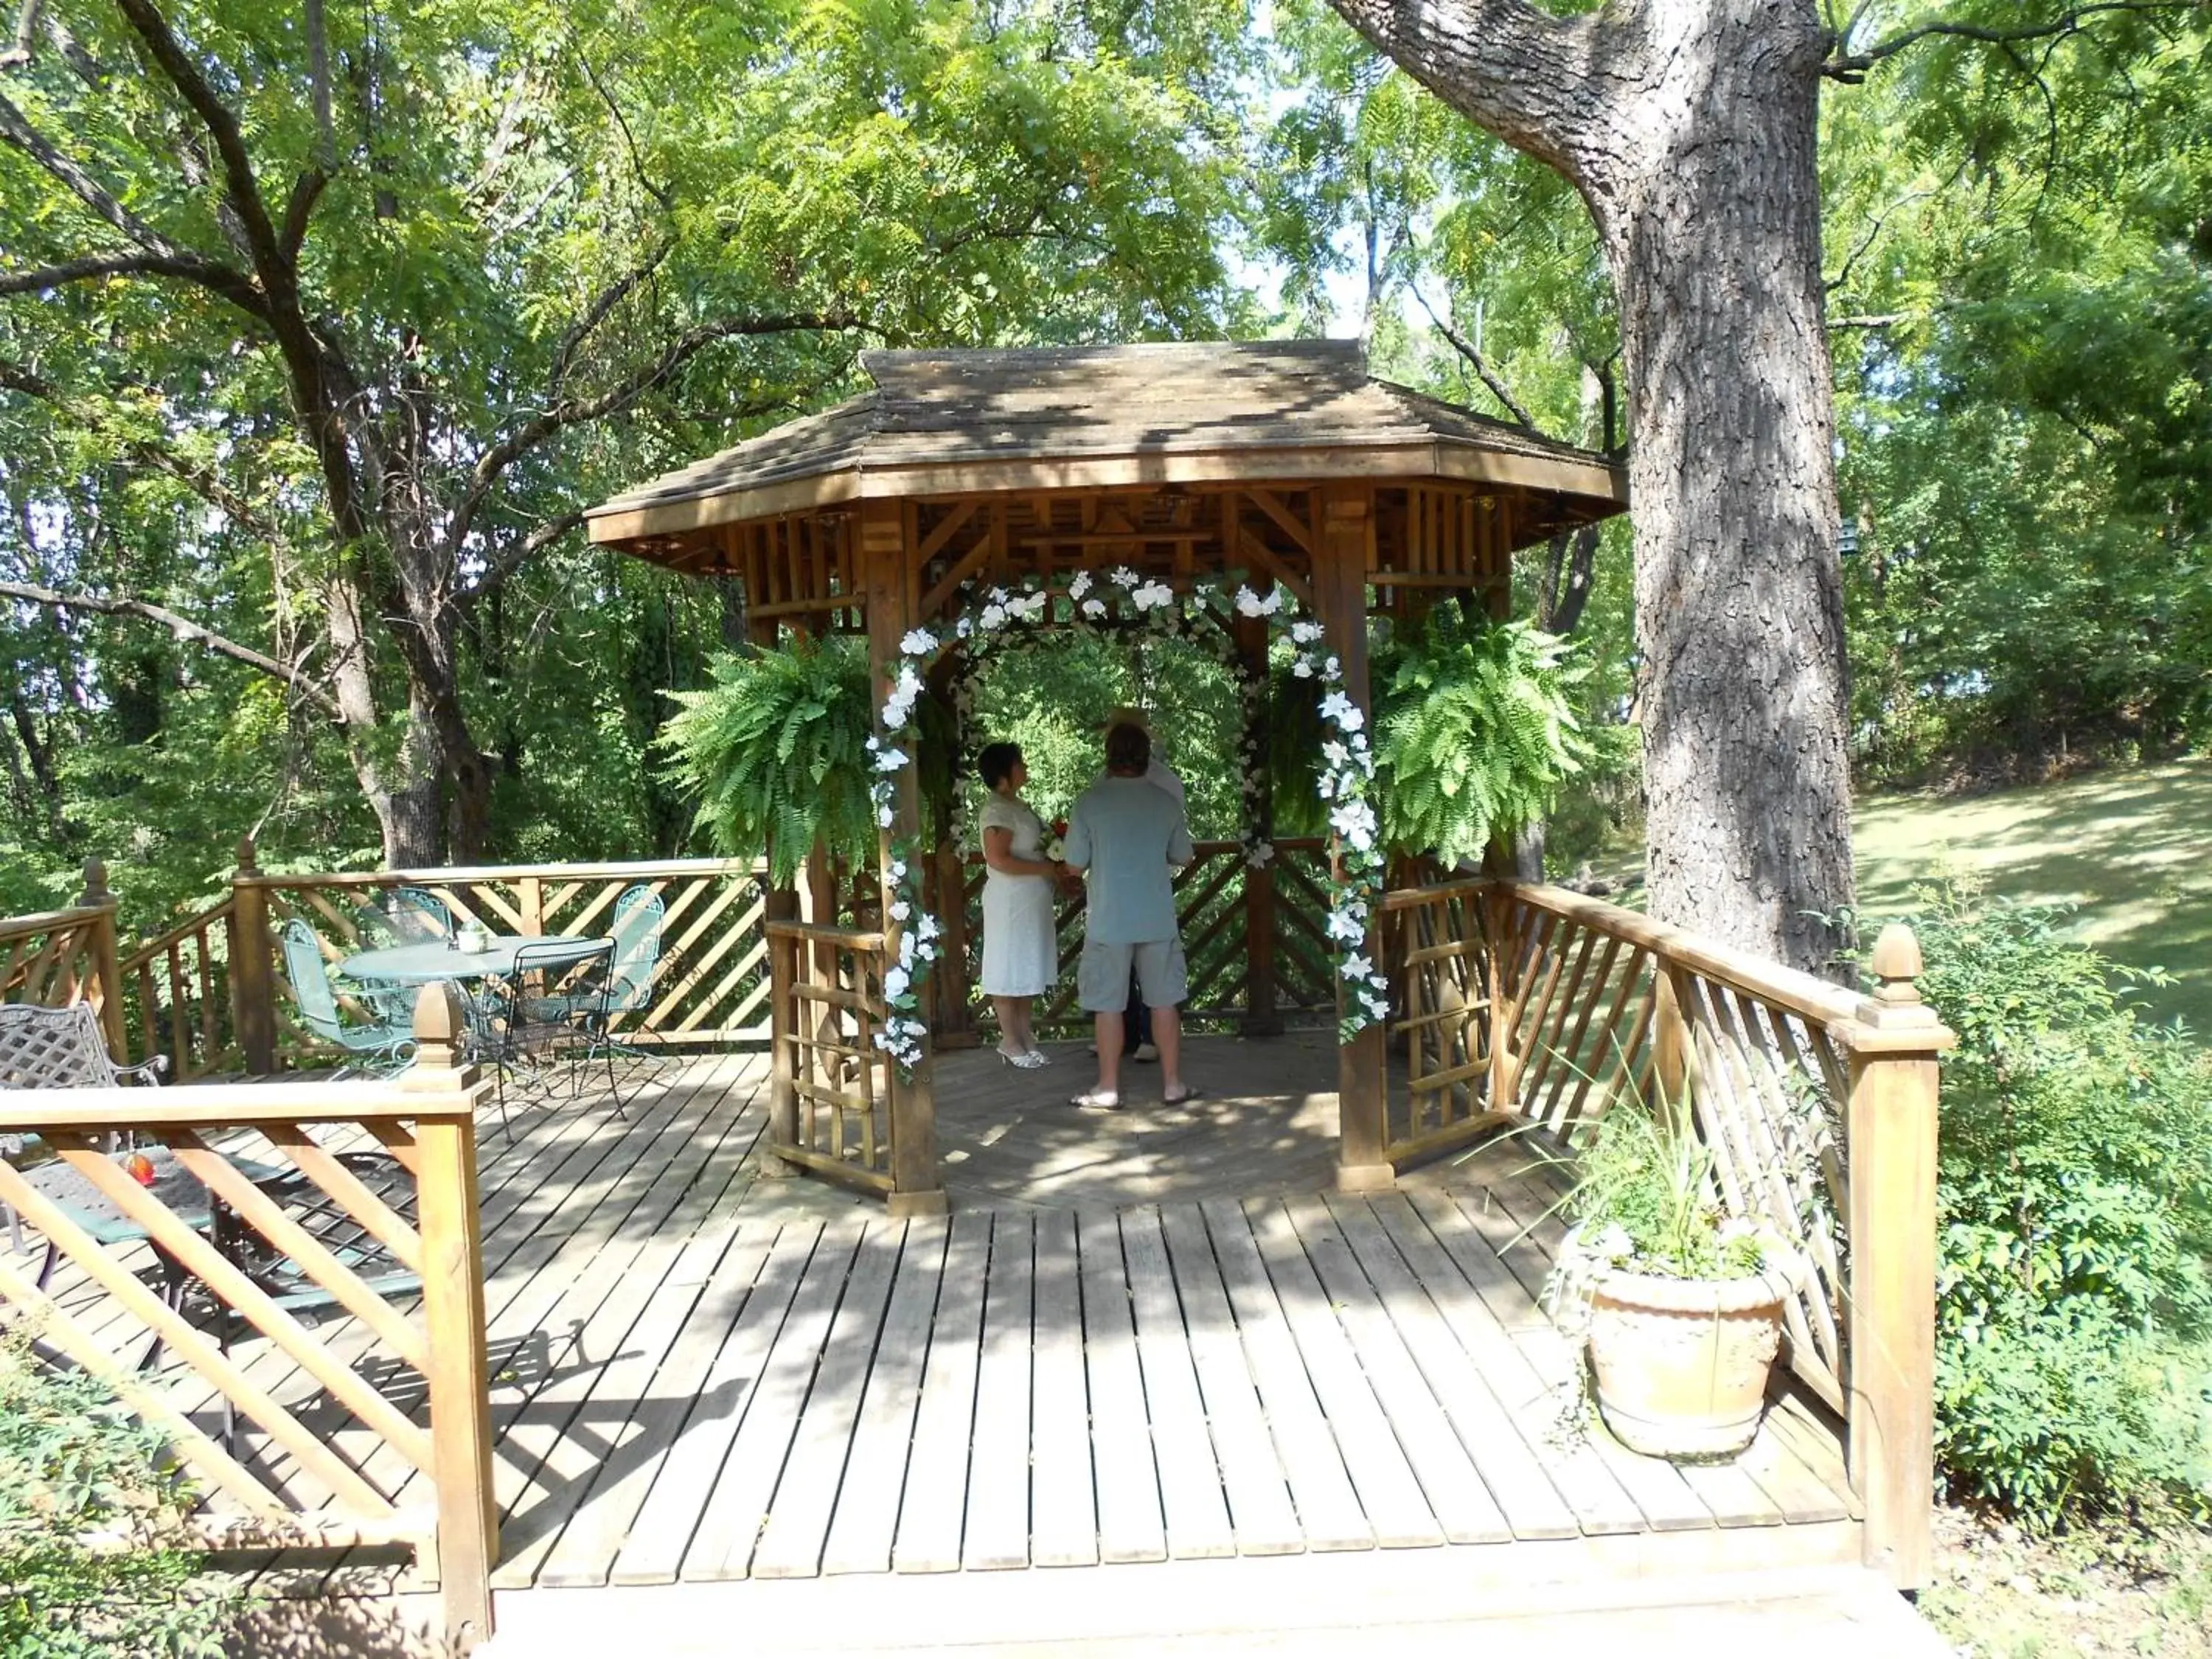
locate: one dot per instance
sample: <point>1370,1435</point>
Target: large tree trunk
<point>1715,250</point>
<point>1689,127</point>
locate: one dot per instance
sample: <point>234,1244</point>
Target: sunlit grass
<point>2130,849</point>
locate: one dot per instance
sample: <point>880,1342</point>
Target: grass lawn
<point>2131,849</point>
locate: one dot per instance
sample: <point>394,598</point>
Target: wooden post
<point>1890,1302</point>
<point>253,983</point>
<point>1342,554</point>
<point>1261,1016</point>
<point>885,537</point>
<point>453,1310</point>
<point>107,962</point>
<point>1503,973</point>
<point>783,1092</point>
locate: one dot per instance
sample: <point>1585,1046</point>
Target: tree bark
<point>1689,127</point>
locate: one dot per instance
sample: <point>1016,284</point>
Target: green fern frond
<point>1475,736</point>
<point>776,752</point>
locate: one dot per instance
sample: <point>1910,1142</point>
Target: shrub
<point>93,1559</point>
<point>2074,1320</point>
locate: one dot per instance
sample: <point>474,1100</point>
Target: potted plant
<point>1682,1297</point>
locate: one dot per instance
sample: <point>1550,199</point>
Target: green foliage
<point>2074,1362</point>
<point>1474,734</point>
<point>776,752</point>
<point>93,1560</point>
<point>1643,1199</point>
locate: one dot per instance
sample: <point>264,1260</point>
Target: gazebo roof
<point>966,423</point>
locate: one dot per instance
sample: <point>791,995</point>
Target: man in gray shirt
<point>1130,838</point>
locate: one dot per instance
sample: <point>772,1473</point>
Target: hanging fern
<point>776,751</point>
<point>1475,736</point>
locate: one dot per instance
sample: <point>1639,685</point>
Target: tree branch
<point>26,31</point>
<point>595,314</point>
<point>520,554</point>
<point>303,353</point>
<point>1475,360</point>
<point>505,453</point>
<point>231,285</point>
<point>1508,66</point>
<point>183,628</point>
<point>1851,67</point>
<point>240,186</point>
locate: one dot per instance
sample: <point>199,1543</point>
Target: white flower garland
<point>1346,775</point>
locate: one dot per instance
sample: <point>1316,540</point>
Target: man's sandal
<point>1189,1093</point>
<point>1096,1100</point>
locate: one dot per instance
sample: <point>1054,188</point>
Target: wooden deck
<point>1145,1336</point>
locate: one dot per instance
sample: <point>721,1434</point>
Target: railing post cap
<point>440,1021</point>
<point>246,866</point>
<point>1896,956</point>
<point>95,884</point>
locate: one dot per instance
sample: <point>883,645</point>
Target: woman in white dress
<point>1020,952</point>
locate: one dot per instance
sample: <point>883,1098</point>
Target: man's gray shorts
<point>1102,980</point>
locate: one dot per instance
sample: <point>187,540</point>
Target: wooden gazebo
<point>1283,459</point>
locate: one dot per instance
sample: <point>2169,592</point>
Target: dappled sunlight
<point>2130,849</point>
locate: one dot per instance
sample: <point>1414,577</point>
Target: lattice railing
<point>1438,1054</point>
<point>1598,1003</point>
<point>53,959</point>
<point>249,1277</point>
<point>711,984</point>
<point>830,1110</point>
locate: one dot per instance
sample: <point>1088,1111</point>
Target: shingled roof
<point>952,422</point>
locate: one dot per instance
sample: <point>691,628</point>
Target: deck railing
<point>296,1438</point>
<point>1250,973</point>
<point>59,957</point>
<point>1518,1003</point>
<point>830,1109</point>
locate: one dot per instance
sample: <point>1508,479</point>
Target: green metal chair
<point>385,1045</point>
<point>587,1005</point>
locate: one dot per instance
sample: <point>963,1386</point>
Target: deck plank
<point>1191,1478</point>
<point>798,1518</point>
<point>1514,1473</point>
<point>652,1549</point>
<point>1389,1490</point>
<point>609,1511</point>
<point>1313,1461</point>
<point>1450,1260</point>
<point>997,1529</point>
<point>1263,1520</point>
<point>1463,1506</point>
<point>1131,1525</point>
<point>866,1520</point>
<point>737,1508</point>
<point>1063,1506</point>
<point>931,1513</point>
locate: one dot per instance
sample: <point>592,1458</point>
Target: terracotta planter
<point>1681,1363</point>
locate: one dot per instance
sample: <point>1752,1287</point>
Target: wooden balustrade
<point>177,995</point>
<point>829,1107</point>
<point>1819,1106</point>
<point>277,1420</point>
<point>710,987</point>
<point>56,958</point>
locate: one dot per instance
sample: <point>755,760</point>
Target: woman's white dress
<point>1020,955</point>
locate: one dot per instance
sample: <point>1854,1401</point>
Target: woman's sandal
<point>1189,1093</point>
<point>1096,1100</point>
